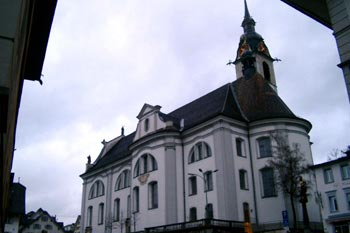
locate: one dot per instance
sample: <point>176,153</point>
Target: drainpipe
<point>253,179</point>
<point>182,124</point>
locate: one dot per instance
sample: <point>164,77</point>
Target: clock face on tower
<point>262,48</point>
<point>244,47</point>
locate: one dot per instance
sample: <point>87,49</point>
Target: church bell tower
<point>253,44</point>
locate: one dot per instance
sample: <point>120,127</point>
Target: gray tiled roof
<point>243,100</point>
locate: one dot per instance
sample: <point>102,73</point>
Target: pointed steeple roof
<point>250,40</point>
<point>248,23</point>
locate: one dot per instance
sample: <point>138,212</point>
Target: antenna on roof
<point>122,133</point>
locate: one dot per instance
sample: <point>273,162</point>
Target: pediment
<point>146,109</point>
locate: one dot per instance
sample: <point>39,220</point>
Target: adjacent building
<point>24,33</point>
<point>41,222</point>
<point>333,184</point>
<point>334,14</point>
<point>17,208</point>
<point>205,160</point>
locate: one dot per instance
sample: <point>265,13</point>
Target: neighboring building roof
<point>32,217</point>
<point>332,162</point>
<point>245,100</point>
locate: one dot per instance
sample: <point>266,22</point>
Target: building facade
<point>41,222</point>
<point>333,185</point>
<point>24,33</point>
<point>205,160</point>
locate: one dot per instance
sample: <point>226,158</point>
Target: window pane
<point>100,213</point>
<point>243,179</point>
<point>193,185</point>
<point>153,195</point>
<point>328,175</point>
<point>345,172</point>
<point>264,147</point>
<point>268,182</point>
<point>199,151</point>
<point>239,147</point>
<point>193,214</point>
<point>136,199</point>
<point>208,181</point>
<point>116,210</point>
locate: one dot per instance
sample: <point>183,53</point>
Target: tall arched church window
<point>97,190</point>
<point>146,163</point>
<point>199,151</point>
<point>267,73</point>
<point>123,180</point>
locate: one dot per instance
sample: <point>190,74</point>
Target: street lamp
<point>204,178</point>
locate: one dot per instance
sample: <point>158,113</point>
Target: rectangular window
<point>328,175</point>
<point>268,182</point>
<point>100,213</point>
<point>136,202</point>
<point>243,179</point>
<point>239,147</point>
<point>208,181</point>
<point>264,147</point>
<point>209,211</point>
<point>193,214</point>
<point>153,195</point>
<point>333,205</point>
<point>128,207</point>
<point>347,197</point>
<point>89,216</point>
<point>192,185</point>
<point>116,210</point>
<point>345,171</point>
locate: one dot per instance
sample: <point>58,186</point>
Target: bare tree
<point>289,164</point>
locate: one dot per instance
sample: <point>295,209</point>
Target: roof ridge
<point>237,103</point>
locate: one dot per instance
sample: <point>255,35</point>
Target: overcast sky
<point>106,58</point>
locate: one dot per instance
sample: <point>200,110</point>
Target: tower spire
<point>248,23</point>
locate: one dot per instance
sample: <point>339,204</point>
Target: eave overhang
<point>40,20</point>
<point>315,9</point>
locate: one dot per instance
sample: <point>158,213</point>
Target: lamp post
<point>204,178</point>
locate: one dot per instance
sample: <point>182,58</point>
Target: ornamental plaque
<point>143,178</point>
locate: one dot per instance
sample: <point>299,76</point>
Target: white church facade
<point>206,159</point>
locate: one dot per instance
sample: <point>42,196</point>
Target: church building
<point>205,160</point>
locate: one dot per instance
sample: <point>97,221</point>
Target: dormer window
<point>146,125</point>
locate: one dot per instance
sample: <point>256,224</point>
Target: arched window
<point>199,151</point>
<point>146,163</point>
<point>97,190</point>
<point>123,180</point>
<point>266,69</point>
